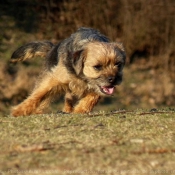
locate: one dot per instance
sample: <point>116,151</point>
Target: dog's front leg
<point>87,103</point>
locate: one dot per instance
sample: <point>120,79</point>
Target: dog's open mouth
<point>109,90</point>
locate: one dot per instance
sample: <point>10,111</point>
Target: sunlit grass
<point>116,142</point>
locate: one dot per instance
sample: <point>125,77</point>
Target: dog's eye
<point>118,64</point>
<point>98,67</point>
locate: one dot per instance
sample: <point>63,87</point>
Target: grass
<point>121,142</point>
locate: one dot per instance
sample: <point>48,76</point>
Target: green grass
<point>122,142</point>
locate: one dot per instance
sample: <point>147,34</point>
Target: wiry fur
<point>31,50</point>
<point>84,66</point>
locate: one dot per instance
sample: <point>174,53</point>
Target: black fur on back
<point>71,45</point>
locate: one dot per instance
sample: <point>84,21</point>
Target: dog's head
<point>100,65</point>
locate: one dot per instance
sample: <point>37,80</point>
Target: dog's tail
<point>31,50</point>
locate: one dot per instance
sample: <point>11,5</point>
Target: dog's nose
<point>111,79</point>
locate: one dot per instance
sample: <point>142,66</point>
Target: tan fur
<point>105,57</point>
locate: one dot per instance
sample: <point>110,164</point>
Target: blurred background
<point>146,28</point>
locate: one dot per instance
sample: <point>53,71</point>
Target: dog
<point>84,67</point>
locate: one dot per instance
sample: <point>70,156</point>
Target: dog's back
<point>87,34</point>
<point>52,52</point>
<point>72,46</point>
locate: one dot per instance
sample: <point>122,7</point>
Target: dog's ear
<point>120,47</point>
<point>78,58</point>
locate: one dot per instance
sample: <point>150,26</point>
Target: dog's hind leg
<point>39,98</point>
<point>69,103</point>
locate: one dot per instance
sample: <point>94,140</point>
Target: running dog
<point>84,67</point>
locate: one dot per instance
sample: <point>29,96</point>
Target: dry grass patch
<point>122,142</point>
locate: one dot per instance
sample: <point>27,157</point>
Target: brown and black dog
<point>84,67</point>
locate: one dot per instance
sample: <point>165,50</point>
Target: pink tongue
<point>108,90</point>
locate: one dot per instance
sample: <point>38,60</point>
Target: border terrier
<point>84,67</point>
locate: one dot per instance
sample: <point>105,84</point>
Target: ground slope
<point>119,142</point>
